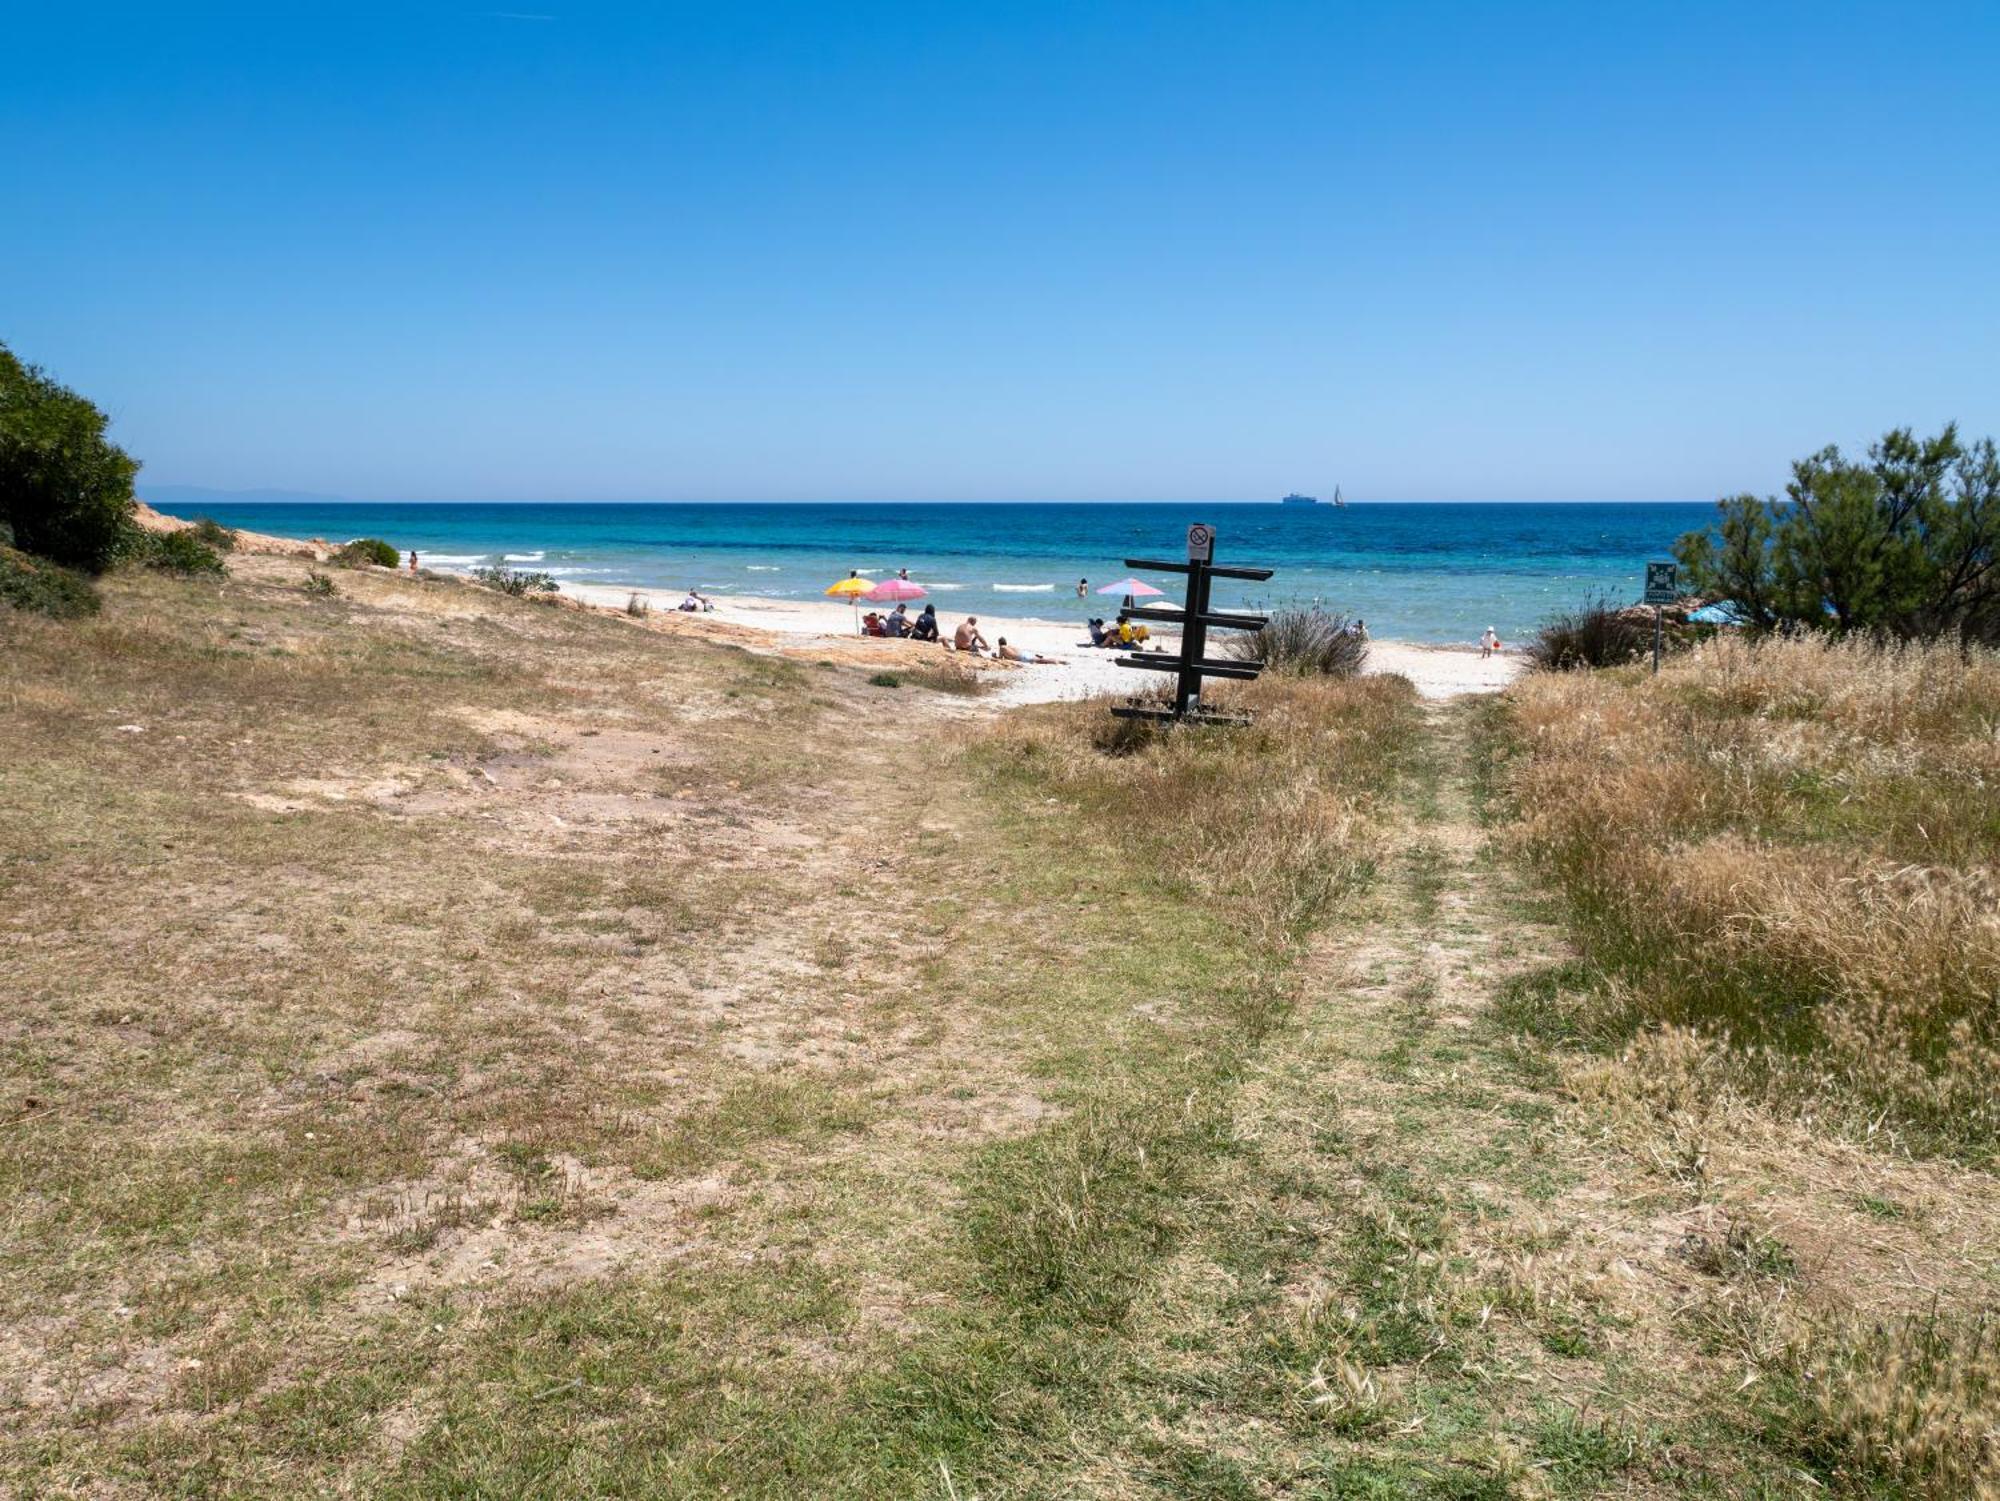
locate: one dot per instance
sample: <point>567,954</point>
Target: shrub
<point>1901,546</point>
<point>363,551</point>
<point>514,582</point>
<point>319,585</point>
<point>638,606</point>
<point>1597,635</point>
<point>214,533</point>
<point>182,553</point>
<point>35,584</point>
<point>1305,643</point>
<point>65,492</point>
<point>885,680</point>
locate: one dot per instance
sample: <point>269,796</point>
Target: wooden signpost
<point>1195,618</point>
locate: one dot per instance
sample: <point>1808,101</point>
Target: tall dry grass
<point>1794,845</point>
<point>1272,819</point>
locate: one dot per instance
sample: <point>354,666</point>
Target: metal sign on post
<point>1662,589</point>
<point>1195,618</point>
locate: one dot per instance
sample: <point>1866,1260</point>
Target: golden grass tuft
<point>1792,845</point>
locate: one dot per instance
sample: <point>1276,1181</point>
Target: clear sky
<point>555,249</point>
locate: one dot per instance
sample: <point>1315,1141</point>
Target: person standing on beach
<point>1489,643</point>
<point>413,560</point>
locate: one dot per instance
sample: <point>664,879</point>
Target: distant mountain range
<point>204,495</point>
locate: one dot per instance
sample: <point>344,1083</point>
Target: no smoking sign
<point>1201,543</point>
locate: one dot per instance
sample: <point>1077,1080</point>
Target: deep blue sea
<point>1439,572</point>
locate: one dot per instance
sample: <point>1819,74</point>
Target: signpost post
<point>1662,589</point>
<point>1192,664</point>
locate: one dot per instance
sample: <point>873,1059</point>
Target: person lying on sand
<point>967,637</point>
<point>925,627</point>
<point>1008,653</point>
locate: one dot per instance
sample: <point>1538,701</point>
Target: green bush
<point>182,553</point>
<point>65,492</point>
<point>215,534</point>
<point>512,581</point>
<point>885,680</point>
<point>318,585</point>
<point>1901,546</point>
<point>1304,643</point>
<point>35,584</point>
<point>365,550</point>
<point>1598,635</point>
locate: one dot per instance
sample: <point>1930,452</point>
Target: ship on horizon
<point>1296,499</point>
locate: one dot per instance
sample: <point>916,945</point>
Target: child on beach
<point>1489,643</point>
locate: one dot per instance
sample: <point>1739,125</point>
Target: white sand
<point>1080,671</point>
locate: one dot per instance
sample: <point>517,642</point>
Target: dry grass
<point>1794,846</point>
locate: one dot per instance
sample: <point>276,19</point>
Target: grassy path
<point>472,1049</point>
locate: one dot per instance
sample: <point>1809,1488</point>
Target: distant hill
<point>203,495</point>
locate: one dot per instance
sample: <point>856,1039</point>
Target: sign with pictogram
<point>1201,543</point>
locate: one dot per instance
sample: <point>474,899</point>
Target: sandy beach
<point>1079,671</point>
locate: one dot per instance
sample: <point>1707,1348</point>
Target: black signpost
<point>1195,618</point>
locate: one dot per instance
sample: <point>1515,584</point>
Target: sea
<point>1439,572</point>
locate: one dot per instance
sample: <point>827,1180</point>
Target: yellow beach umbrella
<point>851,589</point>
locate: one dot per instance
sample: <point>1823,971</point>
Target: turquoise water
<point>1414,572</point>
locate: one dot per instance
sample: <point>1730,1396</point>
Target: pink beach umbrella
<point>1132,587</point>
<point>890,590</point>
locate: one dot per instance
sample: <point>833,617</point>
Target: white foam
<point>522,557</point>
<point>945,588</point>
<point>1024,588</point>
<point>762,567</point>
<point>463,560</point>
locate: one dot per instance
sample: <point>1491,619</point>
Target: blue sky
<point>557,250</point>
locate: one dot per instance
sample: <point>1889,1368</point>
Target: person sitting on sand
<point>925,627</point>
<point>1489,643</point>
<point>871,625</point>
<point>967,637</point>
<point>1008,653</point>
<point>695,601</point>
<point>1098,635</point>
<point>1129,634</point>
<point>899,621</point>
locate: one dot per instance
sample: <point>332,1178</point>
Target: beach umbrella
<point>1130,587</point>
<point>851,589</point>
<point>890,590</point>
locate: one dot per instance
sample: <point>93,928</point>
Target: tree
<point>1906,545</point>
<point>65,491</point>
